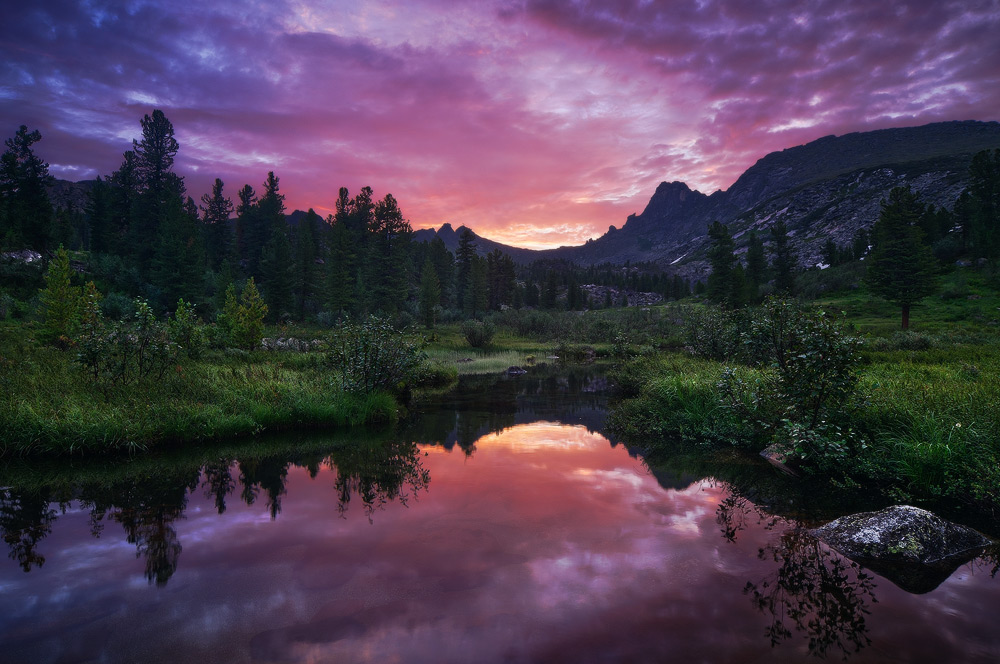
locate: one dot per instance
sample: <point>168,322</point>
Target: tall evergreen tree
<point>722,259</point>
<point>783,259</point>
<point>388,256</point>
<point>901,267</point>
<point>756,271</point>
<point>307,273</point>
<point>984,205</point>
<point>501,279</point>
<point>477,292</point>
<point>25,210</point>
<point>216,210</point>
<point>430,293</point>
<point>464,259</point>
<point>161,191</point>
<point>444,267</point>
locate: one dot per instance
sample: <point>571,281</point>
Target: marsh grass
<point>48,407</point>
<point>930,415</point>
<point>475,361</point>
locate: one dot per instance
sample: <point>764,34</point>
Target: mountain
<point>451,236</point>
<point>828,188</point>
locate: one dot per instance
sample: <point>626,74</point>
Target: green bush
<point>373,356</point>
<point>118,354</point>
<point>479,334</point>
<point>184,330</point>
<point>804,394</point>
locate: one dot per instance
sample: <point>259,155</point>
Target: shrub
<point>118,306</point>
<point>122,353</point>
<point>479,334</point>
<point>804,395</point>
<point>373,356</point>
<point>185,330</point>
<point>243,321</point>
<point>712,334</point>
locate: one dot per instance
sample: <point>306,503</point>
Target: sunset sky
<point>536,123</point>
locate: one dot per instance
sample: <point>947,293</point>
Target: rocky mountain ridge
<point>825,189</point>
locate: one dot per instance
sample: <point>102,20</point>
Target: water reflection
<point>26,517</point>
<point>539,540</point>
<point>150,497</point>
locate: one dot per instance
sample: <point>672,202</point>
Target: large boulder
<point>913,548</point>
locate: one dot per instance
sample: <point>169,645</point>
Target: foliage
<point>430,294</point>
<point>901,268</point>
<point>372,356</point>
<point>60,299</point>
<point>185,330</point>
<point>243,321</point>
<point>809,384</point>
<point>479,334</point>
<point>712,333</point>
<point>121,354</point>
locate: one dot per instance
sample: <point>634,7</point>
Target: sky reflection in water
<point>545,544</point>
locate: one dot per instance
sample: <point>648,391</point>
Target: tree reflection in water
<point>378,474</point>
<point>817,592</point>
<point>813,590</point>
<point>147,502</point>
<point>26,517</point>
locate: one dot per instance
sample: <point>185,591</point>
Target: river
<point>504,524</point>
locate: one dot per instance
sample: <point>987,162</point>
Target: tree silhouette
<point>901,267</point>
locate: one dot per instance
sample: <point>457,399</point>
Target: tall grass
<point>48,407</point>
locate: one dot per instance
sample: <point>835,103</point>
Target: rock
<point>911,547</point>
<point>515,371</point>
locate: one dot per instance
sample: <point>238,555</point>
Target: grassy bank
<point>48,408</point>
<point>922,425</point>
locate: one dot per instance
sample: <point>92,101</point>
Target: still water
<point>501,526</point>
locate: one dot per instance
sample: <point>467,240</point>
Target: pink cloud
<point>507,116</point>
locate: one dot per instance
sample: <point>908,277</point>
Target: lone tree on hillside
<point>901,267</point>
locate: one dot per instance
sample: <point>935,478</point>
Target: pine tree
<point>216,210</point>
<point>783,259</point>
<point>756,270</point>
<point>901,267</point>
<point>25,210</point>
<point>984,205</point>
<point>721,288</point>
<point>161,191</point>
<point>306,270</point>
<point>444,267</point>
<point>463,265</point>
<point>430,293</point>
<point>60,298</point>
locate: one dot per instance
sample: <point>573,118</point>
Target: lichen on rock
<point>902,533</point>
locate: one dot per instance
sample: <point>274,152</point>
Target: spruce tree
<point>756,270</point>
<point>783,259</point>
<point>60,299</point>
<point>430,293</point>
<point>216,210</point>
<point>901,267</point>
<point>463,265</point>
<point>722,261</point>
<point>25,210</point>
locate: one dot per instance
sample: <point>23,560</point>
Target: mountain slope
<point>825,189</point>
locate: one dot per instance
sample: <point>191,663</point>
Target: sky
<point>536,123</point>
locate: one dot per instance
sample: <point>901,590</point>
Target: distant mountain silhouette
<point>827,188</point>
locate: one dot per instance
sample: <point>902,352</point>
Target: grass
<point>930,399</point>
<point>49,408</point>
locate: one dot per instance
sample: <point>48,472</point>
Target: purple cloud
<point>536,122</point>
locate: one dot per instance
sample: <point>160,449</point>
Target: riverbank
<point>48,408</point>
<point>921,428</point>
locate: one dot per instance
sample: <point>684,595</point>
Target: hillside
<point>828,188</point>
